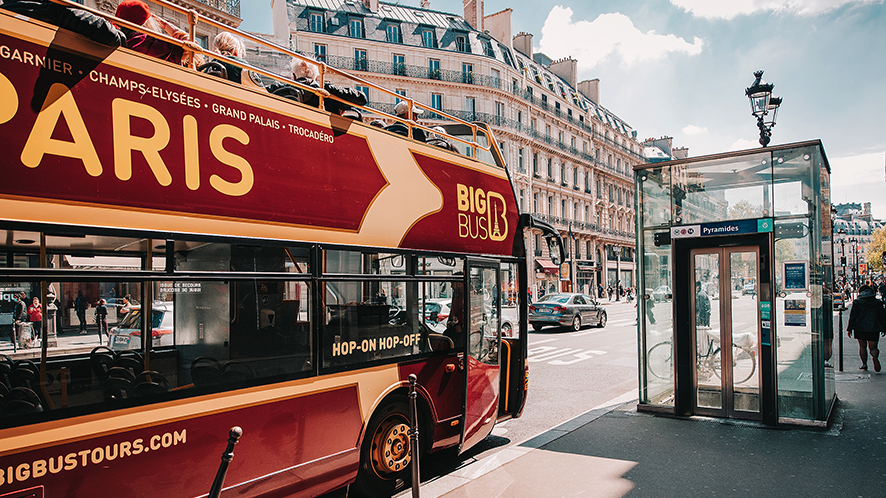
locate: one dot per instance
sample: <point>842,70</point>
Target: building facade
<point>570,158</point>
<point>854,228</point>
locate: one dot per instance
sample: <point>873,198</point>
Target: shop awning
<point>585,266</point>
<point>546,265</point>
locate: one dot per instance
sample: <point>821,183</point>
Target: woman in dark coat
<point>867,319</point>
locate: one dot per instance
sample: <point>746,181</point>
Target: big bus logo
<point>481,214</point>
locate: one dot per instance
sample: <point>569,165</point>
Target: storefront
<point>736,275</point>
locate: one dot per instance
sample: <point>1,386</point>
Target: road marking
<point>547,353</point>
<point>542,341</point>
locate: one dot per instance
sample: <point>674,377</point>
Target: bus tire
<point>385,453</point>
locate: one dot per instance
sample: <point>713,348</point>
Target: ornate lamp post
<point>764,106</point>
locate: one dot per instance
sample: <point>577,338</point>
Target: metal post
<point>234,436</point>
<point>413,436</point>
<point>840,331</point>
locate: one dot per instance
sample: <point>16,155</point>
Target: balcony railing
<point>471,78</point>
<point>231,7</point>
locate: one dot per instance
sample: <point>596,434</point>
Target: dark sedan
<point>567,310</point>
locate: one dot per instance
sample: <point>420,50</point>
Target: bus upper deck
<point>281,256</point>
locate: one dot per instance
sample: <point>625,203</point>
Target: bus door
<point>482,351</point>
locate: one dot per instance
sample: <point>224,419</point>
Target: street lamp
<point>854,241</point>
<point>763,106</point>
<point>842,241</point>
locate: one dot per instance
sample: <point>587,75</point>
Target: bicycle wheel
<point>660,360</point>
<point>744,364</point>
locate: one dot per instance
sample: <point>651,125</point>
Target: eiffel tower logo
<point>496,232</point>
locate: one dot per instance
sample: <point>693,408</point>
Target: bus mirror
<point>555,249</point>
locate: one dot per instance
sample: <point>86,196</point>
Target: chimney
<point>567,69</point>
<point>425,4</point>
<point>590,89</point>
<point>499,25</point>
<point>474,13</point>
<point>523,44</point>
<point>372,5</point>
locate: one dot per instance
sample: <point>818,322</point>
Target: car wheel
<point>576,323</point>
<point>537,326</point>
<point>602,322</point>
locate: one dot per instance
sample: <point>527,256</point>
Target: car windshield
<point>133,319</point>
<point>555,298</point>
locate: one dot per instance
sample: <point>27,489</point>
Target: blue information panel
<point>737,227</point>
<point>795,275</point>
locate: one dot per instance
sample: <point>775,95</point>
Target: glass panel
<point>793,175</point>
<point>510,293</point>
<point>654,190</point>
<point>655,305</point>
<point>365,263</point>
<point>484,336</point>
<point>793,325</point>
<point>727,189</point>
<point>360,327</point>
<point>708,359</point>
<point>745,324</point>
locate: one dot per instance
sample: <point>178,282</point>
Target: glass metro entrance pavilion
<point>736,279</point>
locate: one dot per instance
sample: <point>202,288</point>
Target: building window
<point>535,163</point>
<point>320,52</point>
<point>535,202</point>
<point>562,172</point>
<point>434,68</point>
<point>599,192</point>
<point>548,131</point>
<point>399,61</point>
<point>317,23</point>
<point>499,113</point>
<point>550,168</point>
<point>551,205</point>
<point>471,108</point>
<point>520,160</point>
<point>520,199</point>
<point>355,28</point>
<point>588,217</point>
<point>575,178</point>
<point>401,92</point>
<point>393,32</point>
<point>360,60</point>
<point>563,211</point>
<point>365,90</point>
<point>461,44</point>
<point>467,73</point>
<point>496,77</point>
<point>487,48</point>
<point>437,101</point>
<point>544,101</point>
<point>519,118</point>
<point>428,38</point>
<point>532,123</point>
<point>202,40</point>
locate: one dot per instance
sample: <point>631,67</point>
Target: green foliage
<point>875,249</point>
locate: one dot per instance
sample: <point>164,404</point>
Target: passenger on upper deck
<point>96,28</point>
<point>307,73</point>
<point>402,111</point>
<point>137,12</point>
<point>230,46</point>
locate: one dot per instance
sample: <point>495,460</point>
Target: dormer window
<point>393,32</point>
<point>318,24</point>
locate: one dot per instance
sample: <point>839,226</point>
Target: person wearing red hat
<point>138,12</point>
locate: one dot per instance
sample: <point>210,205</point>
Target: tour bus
<point>280,257</point>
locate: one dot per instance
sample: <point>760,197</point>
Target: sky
<point>679,68</point>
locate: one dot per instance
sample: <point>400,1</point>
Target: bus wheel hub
<point>390,448</point>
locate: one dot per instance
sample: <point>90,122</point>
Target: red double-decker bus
<point>292,267</point>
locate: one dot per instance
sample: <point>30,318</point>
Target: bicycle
<point>660,360</point>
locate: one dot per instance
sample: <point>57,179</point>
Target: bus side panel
<point>445,389</point>
<point>181,458</point>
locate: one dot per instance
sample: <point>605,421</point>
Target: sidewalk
<point>614,451</point>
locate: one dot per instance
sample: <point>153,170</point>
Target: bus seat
<point>149,382</point>
<point>205,371</point>
<point>439,342</point>
<point>102,359</point>
<point>22,400</point>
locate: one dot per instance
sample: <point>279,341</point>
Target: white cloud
<point>729,9</point>
<point>694,130</point>
<point>593,41</point>
<point>743,144</point>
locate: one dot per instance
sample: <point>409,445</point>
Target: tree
<point>875,249</point>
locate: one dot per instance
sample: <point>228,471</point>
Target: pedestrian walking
<point>35,315</point>
<point>80,306</point>
<point>101,319</point>
<point>867,322</point>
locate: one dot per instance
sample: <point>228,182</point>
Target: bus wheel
<point>385,453</point>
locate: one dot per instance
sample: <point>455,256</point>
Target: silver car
<point>567,310</point>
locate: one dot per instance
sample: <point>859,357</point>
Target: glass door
<point>726,331</point>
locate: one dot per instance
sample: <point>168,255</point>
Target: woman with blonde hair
<point>230,46</point>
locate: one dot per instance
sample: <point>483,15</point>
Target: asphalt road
<point>569,374</point>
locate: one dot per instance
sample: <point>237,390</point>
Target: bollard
<point>413,436</point>
<point>226,458</point>
<point>840,333</point>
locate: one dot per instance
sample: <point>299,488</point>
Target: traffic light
<point>843,261</point>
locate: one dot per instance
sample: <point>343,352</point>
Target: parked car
<point>567,310</point>
<point>435,314</point>
<point>663,293</point>
<point>127,333</point>
<point>509,320</point>
<point>749,288</point>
